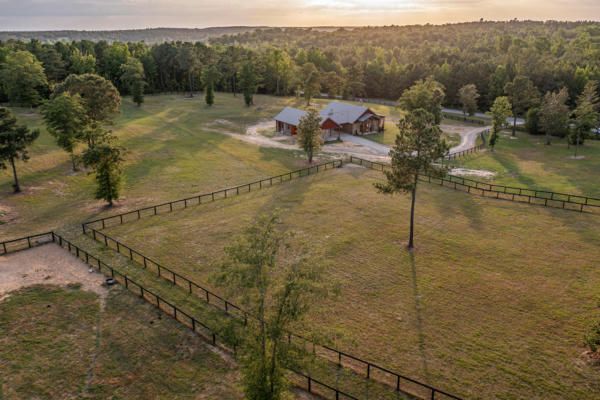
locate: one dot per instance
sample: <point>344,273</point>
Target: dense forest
<point>374,62</point>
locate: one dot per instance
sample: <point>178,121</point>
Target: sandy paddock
<point>47,264</point>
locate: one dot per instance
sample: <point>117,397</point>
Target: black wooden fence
<point>212,196</point>
<point>545,198</point>
<point>181,316</point>
<point>474,149</point>
<point>25,242</point>
<point>463,118</point>
<point>366,368</point>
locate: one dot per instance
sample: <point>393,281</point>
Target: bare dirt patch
<point>47,264</point>
<point>481,173</point>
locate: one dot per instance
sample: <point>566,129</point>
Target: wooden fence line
<point>183,317</point>
<point>212,196</point>
<point>369,369</point>
<point>545,198</point>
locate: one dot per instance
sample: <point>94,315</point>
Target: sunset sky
<point>124,14</point>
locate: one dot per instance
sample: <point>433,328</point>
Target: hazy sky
<point>123,14</point>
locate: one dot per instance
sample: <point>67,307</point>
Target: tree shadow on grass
<point>419,315</point>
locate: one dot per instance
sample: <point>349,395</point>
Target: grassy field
<point>475,310</point>
<point>478,310</point>
<point>170,153</point>
<point>527,162</point>
<point>49,350</point>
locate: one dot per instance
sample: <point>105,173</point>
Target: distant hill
<point>151,35</point>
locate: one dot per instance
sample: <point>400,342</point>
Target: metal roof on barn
<point>343,113</point>
<point>290,116</point>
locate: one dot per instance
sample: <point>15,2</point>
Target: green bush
<point>532,124</point>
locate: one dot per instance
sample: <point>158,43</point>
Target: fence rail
<point>26,242</point>
<point>212,196</point>
<point>458,117</point>
<point>474,149</point>
<point>183,317</point>
<point>366,368</point>
<point>545,198</point>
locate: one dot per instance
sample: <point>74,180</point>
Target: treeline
<point>381,62</point>
<point>375,62</point>
<point>150,35</point>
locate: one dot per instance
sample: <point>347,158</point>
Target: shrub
<point>592,338</point>
<point>532,124</point>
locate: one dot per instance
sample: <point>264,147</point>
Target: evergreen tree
<point>14,140</point>
<point>210,77</point>
<point>105,159</point>
<point>418,145</point>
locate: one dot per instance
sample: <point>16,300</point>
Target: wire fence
<point>185,318</point>
<point>545,198</point>
<point>363,367</point>
<point>212,196</point>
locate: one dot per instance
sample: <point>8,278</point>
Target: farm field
<point>49,349</point>
<point>528,162</point>
<point>476,311</point>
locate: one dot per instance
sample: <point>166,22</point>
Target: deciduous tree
<point>24,79</point>
<point>521,94</point>
<point>309,133</point>
<point>132,76</point>
<point>500,111</point>
<point>14,140</point>
<point>67,121</point>
<point>248,82</point>
<point>426,94</point>
<point>585,114</point>
<point>278,283</point>
<point>467,95</point>
<point>418,145</point>
<point>101,100</point>
<point>554,114</point>
<point>311,81</point>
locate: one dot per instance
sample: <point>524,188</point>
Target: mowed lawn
<point>49,350</point>
<point>493,303</point>
<point>170,154</point>
<point>528,162</point>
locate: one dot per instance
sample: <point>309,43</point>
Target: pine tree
<point>418,145</point>
<point>105,158</point>
<point>14,140</point>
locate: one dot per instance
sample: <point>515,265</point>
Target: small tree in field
<point>210,76</point>
<point>66,120</point>
<point>522,94</point>
<point>14,140</point>
<point>278,283</point>
<point>468,98</point>
<point>499,111</point>
<point>418,145</point>
<point>248,83</point>
<point>309,133</point>
<point>105,158</point>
